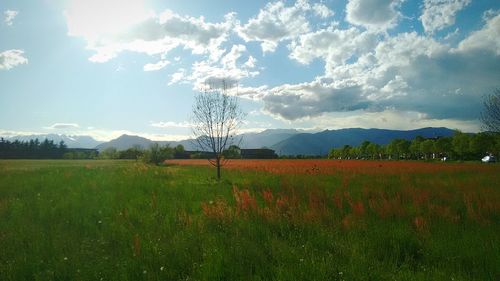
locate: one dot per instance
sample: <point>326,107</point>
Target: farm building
<point>260,153</point>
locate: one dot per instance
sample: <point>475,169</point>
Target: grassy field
<point>266,220</point>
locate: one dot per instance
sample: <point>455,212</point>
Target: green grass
<point>122,220</point>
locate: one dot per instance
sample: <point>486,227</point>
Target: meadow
<point>265,220</point>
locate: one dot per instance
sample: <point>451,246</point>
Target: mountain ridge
<point>322,142</point>
<point>295,142</point>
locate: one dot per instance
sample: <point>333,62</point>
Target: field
<point>265,220</point>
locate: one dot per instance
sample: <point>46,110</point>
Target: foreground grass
<point>121,220</point>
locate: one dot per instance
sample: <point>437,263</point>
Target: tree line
<point>155,154</point>
<point>32,149</point>
<point>460,146</point>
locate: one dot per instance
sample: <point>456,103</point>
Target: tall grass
<point>93,220</point>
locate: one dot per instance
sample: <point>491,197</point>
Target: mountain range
<point>265,138</point>
<point>321,143</point>
<point>283,141</point>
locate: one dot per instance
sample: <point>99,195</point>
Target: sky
<point>108,67</point>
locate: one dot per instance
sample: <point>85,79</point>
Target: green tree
<point>442,146</point>
<point>180,152</point>
<point>415,147</point>
<point>363,149</point>
<point>427,148</point>
<point>481,144</point>
<point>157,154</point>
<point>460,143</point>
<point>373,150</point>
<point>135,152</point>
<point>233,152</point>
<point>345,152</point>
<point>109,153</point>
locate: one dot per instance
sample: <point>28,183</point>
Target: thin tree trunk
<point>218,167</point>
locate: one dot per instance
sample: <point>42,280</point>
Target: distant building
<point>83,150</point>
<point>260,153</point>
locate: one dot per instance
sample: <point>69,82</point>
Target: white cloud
<point>292,102</point>
<point>333,45</point>
<point>322,10</point>
<point>104,134</point>
<point>387,119</point>
<point>376,15</point>
<point>251,62</point>
<point>486,39</point>
<point>10,133</point>
<point>231,58</point>
<point>404,73</point>
<point>12,58</point>
<point>438,14</point>
<point>177,77</point>
<point>156,66</point>
<point>275,23</point>
<point>9,16</point>
<point>57,126</point>
<point>229,68</point>
<point>134,29</point>
<point>367,71</point>
<point>171,124</point>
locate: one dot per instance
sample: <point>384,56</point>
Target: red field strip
<point>323,166</point>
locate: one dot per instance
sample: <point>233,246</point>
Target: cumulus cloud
<point>63,126</point>
<point>12,58</point>
<point>177,76</point>
<point>438,14</point>
<point>156,66</point>
<point>148,33</point>
<point>322,10</point>
<point>368,71</point>
<point>230,68</point>
<point>486,39</point>
<point>9,16</point>
<point>333,45</point>
<point>293,102</point>
<point>387,119</point>
<point>377,15</point>
<point>278,22</point>
<point>407,72</point>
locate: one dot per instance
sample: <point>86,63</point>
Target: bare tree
<point>490,117</point>
<point>216,119</point>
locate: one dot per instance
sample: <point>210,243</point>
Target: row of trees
<point>33,149</point>
<point>155,154</point>
<point>461,146</point>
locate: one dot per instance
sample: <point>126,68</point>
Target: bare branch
<point>216,118</point>
<point>490,117</point>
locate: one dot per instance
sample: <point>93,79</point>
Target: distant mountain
<point>294,142</point>
<point>266,138</point>
<point>125,142</point>
<point>70,141</point>
<point>248,140</point>
<point>321,143</point>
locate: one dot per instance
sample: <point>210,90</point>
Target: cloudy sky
<point>107,67</point>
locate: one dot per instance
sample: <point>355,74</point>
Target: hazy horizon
<point>106,68</point>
